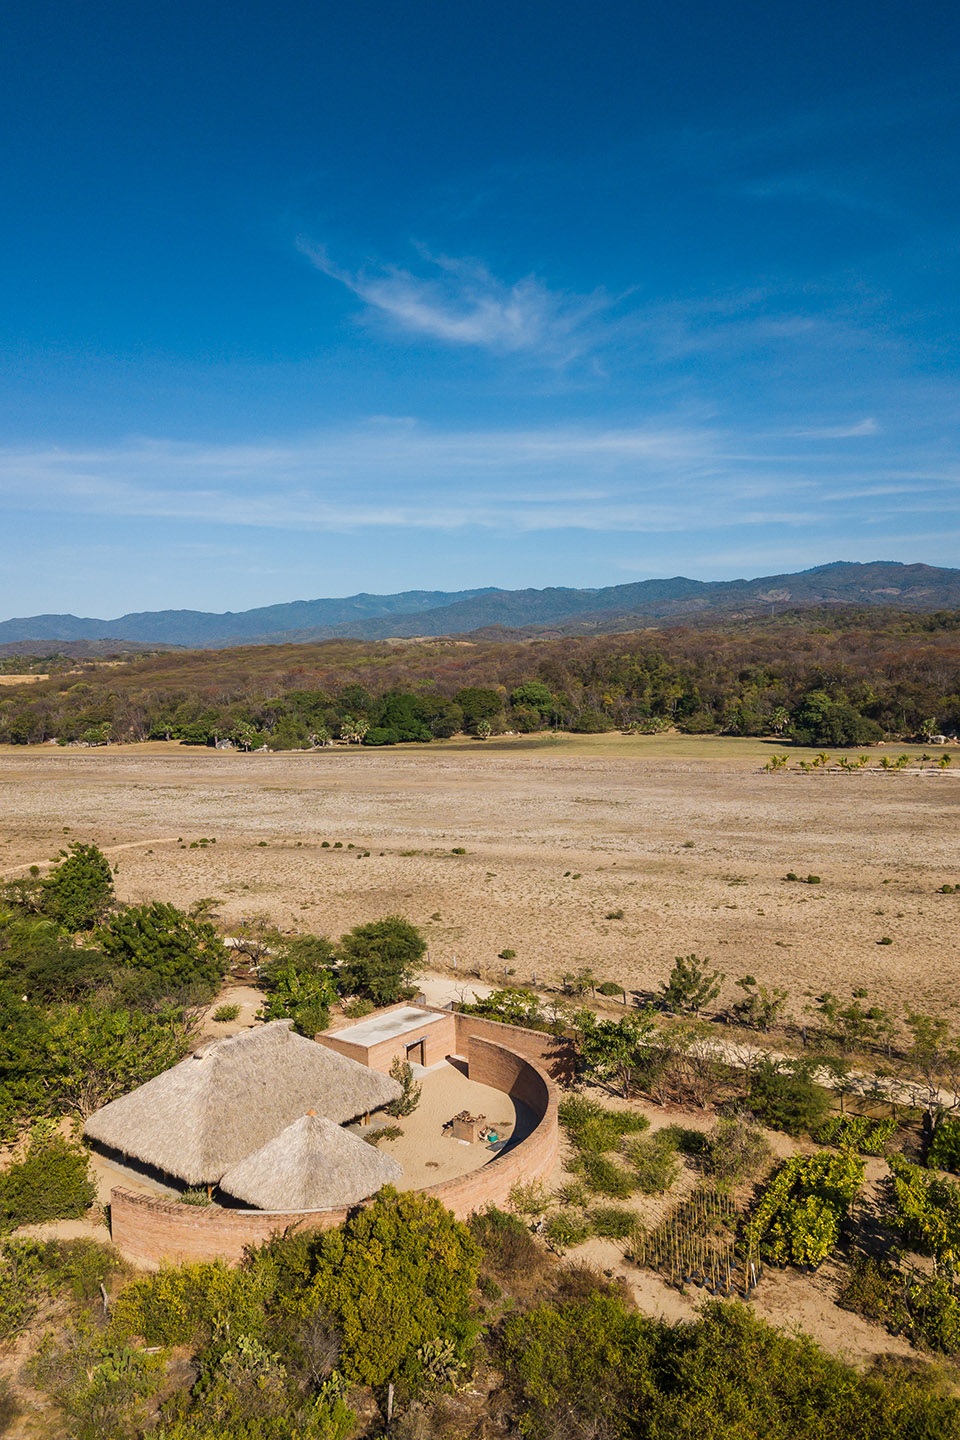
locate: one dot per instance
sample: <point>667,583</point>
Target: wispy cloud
<point>461,302</point>
<point>653,479</point>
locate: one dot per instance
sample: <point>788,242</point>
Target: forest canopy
<point>819,677</point>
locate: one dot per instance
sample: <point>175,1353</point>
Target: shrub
<point>79,1266</point>
<point>785,1096</point>
<point>736,1151</point>
<point>856,1132</point>
<point>185,1304</point>
<point>563,1230</point>
<point>169,951</point>
<point>592,1128</point>
<point>654,1163</point>
<point>530,1200</point>
<point>225,1013</point>
<point>799,1214</point>
<point>385,1132</point>
<point>690,985</point>
<point>925,1308</point>
<point>356,1009</point>
<point>194,1195</point>
<point>409,1099</point>
<point>511,1256</point>
<point>396,1277</point>
<point>943,1152</point>
<point>611,1222</point>
<point>603,1177</point>
<point>378,960</point>
<point>21,1287</point>
<point>51,1182</point>
<point>610,987</point>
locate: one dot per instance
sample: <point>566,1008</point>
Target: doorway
<point>415,1053</point>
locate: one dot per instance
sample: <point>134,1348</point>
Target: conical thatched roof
<point>312,1165</point>
<point>200,1117</point>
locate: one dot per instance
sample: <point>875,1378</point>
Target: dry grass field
<point>683,834</point>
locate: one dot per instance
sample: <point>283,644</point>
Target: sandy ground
<point>425,1152</point>
<point>684,835</point>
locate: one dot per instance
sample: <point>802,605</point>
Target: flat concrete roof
<point>388,1026</point>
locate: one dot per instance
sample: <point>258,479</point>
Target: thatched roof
<point>312,1165</point>
<point>200,1117</point>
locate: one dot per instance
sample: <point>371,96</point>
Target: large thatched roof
<point>200,1117</point>
<point>312,1165</point>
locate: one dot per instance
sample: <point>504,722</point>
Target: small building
<point>405,1032</point>
<point>231,1097</point>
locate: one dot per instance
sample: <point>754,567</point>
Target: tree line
<point>822,678</point>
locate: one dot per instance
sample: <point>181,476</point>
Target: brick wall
<point>149,1228</point>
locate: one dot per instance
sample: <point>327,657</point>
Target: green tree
<point>78,892</point>
<point>760,1008</point>
<point>784,1095</point>
<point>378,960</point>
<point>690,985</point>
<point>478,704</point>
<point>168,952</point>
<point>397,1276</point>
<point>612,1050</point>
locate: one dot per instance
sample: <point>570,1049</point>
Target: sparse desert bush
<point>611,1222</point>
<point>564,1229</point>
<point>602,1176</point>
<point>225,1013</point>
<point>593,1128</point>
<point>654,1162</point>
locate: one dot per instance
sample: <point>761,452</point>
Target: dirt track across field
<point>686,837</point>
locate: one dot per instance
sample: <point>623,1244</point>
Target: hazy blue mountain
<point>434,612</point>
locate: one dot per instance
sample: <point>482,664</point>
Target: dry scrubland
<point>683,834</point>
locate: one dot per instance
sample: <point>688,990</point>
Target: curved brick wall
<point>148,1228</point>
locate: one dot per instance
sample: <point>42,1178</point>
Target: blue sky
<point>305,299</point>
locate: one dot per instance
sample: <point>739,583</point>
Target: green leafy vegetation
<point>50,1181</point>
<point>799,1215</point>
<point>874,672</point>
<point>857,1132</point>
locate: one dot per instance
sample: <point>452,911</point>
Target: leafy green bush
<point>396,1276</point>
<point>79,1267</point>
<point>378,960</point>
<point>21,1287</point>
<point>607,1372</point>
<point>856,1132</point>
<point>52,1181</point>
<point>594,1129</point>
<point>170,952</point>
<point>799,1214</point>
<point>925,1308</point>
<point>784,1095</point>
<point>78,892</point>
<point>194,1195</point>
<point>402,1072</point>
<point>943,1152</point>
<point>224,1013</point>
<point>184,1304</point>
<point>611,1222</point>
<point>602,1176</point>
<point>926,1210</point>
<point>564,1229</point>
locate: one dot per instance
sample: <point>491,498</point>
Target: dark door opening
<point>415,1053</point>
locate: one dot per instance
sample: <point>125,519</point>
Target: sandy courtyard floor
<point>685,837</point>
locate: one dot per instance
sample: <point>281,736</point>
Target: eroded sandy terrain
<point>689,840</point>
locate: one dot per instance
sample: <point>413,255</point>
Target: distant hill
<point>554,610</point>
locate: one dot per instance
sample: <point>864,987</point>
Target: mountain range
<point>555,610</point>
